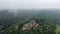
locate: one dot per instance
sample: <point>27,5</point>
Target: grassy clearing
<point>57,29</point>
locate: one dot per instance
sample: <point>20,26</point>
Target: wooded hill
<point>10,22</point>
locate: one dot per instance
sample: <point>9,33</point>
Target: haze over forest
<point>29,16</point>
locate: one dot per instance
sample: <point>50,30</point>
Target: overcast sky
<point>29,4</point>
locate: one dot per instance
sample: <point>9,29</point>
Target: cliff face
<point>29,25</point>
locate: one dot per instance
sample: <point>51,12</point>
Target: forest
<point>12,21</point>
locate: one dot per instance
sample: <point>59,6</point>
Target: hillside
<point>11,23</point>
<point>24,28</point>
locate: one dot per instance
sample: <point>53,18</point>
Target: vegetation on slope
<point>11,23</point>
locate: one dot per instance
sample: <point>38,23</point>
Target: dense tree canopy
<point>11,21</point>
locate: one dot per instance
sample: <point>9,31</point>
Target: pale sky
<point>29,4</point>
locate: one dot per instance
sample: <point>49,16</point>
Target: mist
<point>29,16</point>
<point>29,4</point>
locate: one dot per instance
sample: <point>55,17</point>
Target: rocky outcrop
<point>29,25</point>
